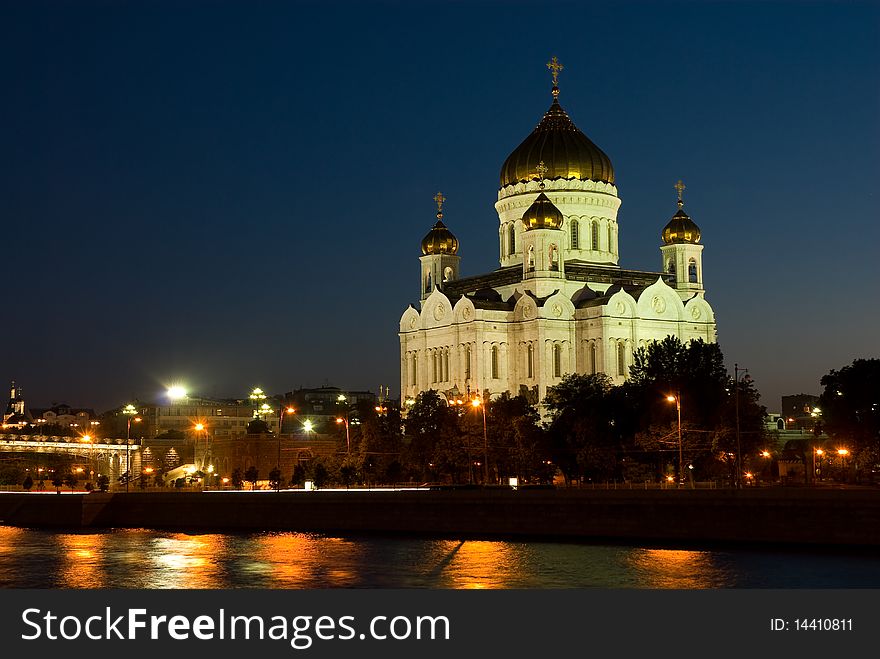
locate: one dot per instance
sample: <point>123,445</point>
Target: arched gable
<point>557,307</point>
<point>697,310</point>
<point>464,310</point>
<point>410,321</point>
<point>621,305</point>
<point>436,310</point>
<point>660,301</point>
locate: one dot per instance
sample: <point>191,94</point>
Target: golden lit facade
<point>559,303</point>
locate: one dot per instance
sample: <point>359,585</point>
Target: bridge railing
<point>43,440</point>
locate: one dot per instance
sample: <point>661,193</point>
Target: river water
<point>141,558</point>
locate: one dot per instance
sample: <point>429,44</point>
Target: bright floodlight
<point>308,426</point>
<point>475,402</point>
<point>176,392</point>
<point>670,398</point>
<point>200,426</point>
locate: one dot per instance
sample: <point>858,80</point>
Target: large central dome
<point>565,150</point>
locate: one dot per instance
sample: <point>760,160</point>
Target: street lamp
<point>344,420</point>
<point>281,413</point>
<point>842,452</point>
<point>200,427</point>
<point>677,401</point>
<point>176,392</point>
<point>476,402</point>
<point>130,411</point>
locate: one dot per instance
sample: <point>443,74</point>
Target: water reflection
<point>678,568</point>
<point>140,558</point>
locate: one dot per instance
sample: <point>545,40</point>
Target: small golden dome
<point>439,240</point>
<point>680,229</point>
<point>542,214</point>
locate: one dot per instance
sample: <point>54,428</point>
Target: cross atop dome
<point>680,187</point>
<point>555,67</point>
<point>439,198</point>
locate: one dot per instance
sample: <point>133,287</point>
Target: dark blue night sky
<point>233,194</point>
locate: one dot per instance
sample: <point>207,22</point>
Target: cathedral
<point>559,303</point>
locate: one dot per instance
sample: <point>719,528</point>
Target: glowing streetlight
<point>476,402</point>
<point>842,451</point>
<point>176,392</point>
<point>201,427</point>
<point>677,401</point>
<point>765,454</point>
<point>339,420</point>
<point>307,426</point>
<point>131,411</point>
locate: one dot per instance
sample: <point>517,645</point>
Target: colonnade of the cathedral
<point>587,238</point>
<point>496,367</point>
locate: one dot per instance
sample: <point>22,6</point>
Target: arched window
<point>447,274</point>
<point>467,363</point>
<point>593,357</point>
<point>434,365</point>
<point>554,257</point>
<point>692,271</point>
<point>530,263</point>
<point>610,238</point>
<point>594,237</point>
<point>446,365</point>
<point>621,358</point>
<point>511,239</point>
<point>428,283</point>
<point>415,368</point>
<point>530,360</point>
<point>557,361</point>
<point>494,355</point>
<point>574,234</point>
<point>670,267</point>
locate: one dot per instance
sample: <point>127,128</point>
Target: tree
<point>299,475</point>
<point>695,374</point>
<point>581,426</point>
<point>275,478</point>
<point>71,480</point>
<point>320,473</point>
<point>251,475</point>
<point>850,408</point>
<point>237,479</point>
<point>103,482</point>
<point>432,438</point>
<point>517,445</point>
<point>57,482</point>
<point>28,483</point>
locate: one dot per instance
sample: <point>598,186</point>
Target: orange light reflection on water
<point>82,560</point>
<point>678,568</point>
<point>186,561</point>
<point>476,564</point>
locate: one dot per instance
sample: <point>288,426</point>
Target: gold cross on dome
<point>555,67</point>
<point>542,170</point>
<point>680,187</point>
<point>439,198</point>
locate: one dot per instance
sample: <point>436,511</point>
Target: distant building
<point>800,410</point>
<point>220,417</point>
<point>318,409</point>
<point>16,413</point>
<point>64,416</point>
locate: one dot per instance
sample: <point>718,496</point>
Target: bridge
<point>106,454</point>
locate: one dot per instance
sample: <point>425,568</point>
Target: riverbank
<point>803,517</point>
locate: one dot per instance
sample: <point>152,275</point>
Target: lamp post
<point>129,410</point>
<point>200,427</point>
<point>476,402</point>
<point>677,400</point>
<point>344,420</point>
<point>737,371</point>
<point>281,413</point>
<point>842,452</point>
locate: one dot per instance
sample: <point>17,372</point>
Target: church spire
<point>555,67</point>
<point>439,198</point>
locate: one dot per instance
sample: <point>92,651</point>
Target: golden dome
<point>439,240</point>
<point>542,214</point>
<point>680,229</point>
<point>567,152</point>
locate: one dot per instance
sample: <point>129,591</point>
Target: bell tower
<point>681,252</point>
<point>439,258</point>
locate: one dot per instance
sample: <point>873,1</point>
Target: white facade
<point>558,304</point>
